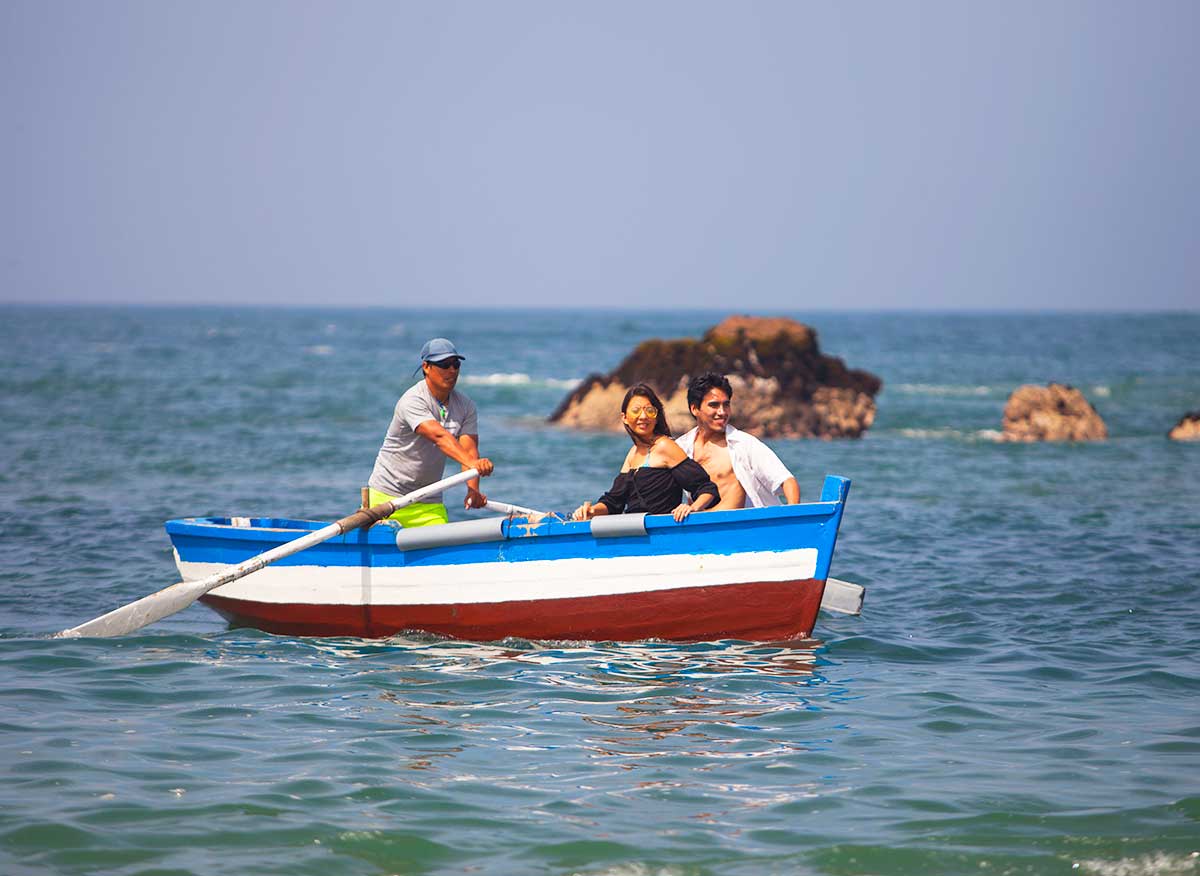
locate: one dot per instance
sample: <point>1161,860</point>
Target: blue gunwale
<point>784,527</point>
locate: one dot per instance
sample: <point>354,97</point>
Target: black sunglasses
<point>448,363</point>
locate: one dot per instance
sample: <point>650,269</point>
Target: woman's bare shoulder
<point>670,451</point>
<point>628,463</point>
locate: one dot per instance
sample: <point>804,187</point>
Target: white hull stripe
<point>505,582</point>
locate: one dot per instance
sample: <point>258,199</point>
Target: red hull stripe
<point>768,611</point>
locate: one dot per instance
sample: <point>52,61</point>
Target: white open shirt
<point>755,465</point>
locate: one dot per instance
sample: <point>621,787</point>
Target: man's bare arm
<point>433,431</point>
<point>475,499</point>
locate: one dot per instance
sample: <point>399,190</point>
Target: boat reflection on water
<point>715,701</point>
<point>642,663</point>
<point>667,664</point>
<point>574,664</point>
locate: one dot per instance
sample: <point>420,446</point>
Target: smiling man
<point>746,471</point>
<point>433,422</point>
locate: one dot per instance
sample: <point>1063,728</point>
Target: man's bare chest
<point>715,460</point>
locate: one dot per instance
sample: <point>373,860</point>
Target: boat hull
<point>753,574</point>
<point>755,611</point>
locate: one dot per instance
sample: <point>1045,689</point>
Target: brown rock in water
<point>783,387</point>
<point>1187,429</point>
<point>1056,412</point>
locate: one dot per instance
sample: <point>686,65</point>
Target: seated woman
<point>656,471</point>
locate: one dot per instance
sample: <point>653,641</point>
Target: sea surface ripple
<point>1019,696</point>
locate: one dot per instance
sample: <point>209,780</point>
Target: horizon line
<point>757,311</point>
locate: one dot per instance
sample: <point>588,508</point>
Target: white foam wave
<point>943,390</point>
<point>319,350</point>
<point>945,433</point>
<point>932,433</point>
<point>1155,864</point>
<point>1101,391</point>
<point>518,379</point>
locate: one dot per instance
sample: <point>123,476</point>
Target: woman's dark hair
<point>700,386</point>
<point>660,424</point>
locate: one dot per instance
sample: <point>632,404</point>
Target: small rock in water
<point>1056,412</point>
<point>1187,429</point>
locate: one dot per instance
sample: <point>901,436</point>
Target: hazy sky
<point>751,156</point>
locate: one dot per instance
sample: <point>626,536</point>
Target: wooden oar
<point>179,596</point>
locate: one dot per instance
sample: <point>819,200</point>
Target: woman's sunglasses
<point>651,413</point>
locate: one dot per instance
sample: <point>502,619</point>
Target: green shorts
<point>416,514</point>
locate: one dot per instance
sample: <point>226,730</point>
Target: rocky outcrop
<point>1056,412</point>
<point>1187,429</point>
<point>783,387</point>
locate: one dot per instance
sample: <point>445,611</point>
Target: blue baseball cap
<point>439,350</point>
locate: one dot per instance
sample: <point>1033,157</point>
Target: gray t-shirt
<point>406,461</point>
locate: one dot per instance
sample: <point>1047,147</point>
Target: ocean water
<point>1020,696</point>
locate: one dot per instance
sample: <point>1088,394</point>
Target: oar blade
<point>842,597</point>
<point>145,611</point>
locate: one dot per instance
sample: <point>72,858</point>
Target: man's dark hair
<point>698,387</point>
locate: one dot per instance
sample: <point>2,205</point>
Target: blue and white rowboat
<point>756,574</point>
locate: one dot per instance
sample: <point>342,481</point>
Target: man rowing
<point>432,422</point>
<point>746,471</point>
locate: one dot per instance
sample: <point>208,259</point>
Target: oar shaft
<point>505,508</point>
<point>171,599</point>
<point>354,521</point>
<point>367,516</point>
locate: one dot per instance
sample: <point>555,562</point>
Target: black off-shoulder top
<point>658,490</point>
